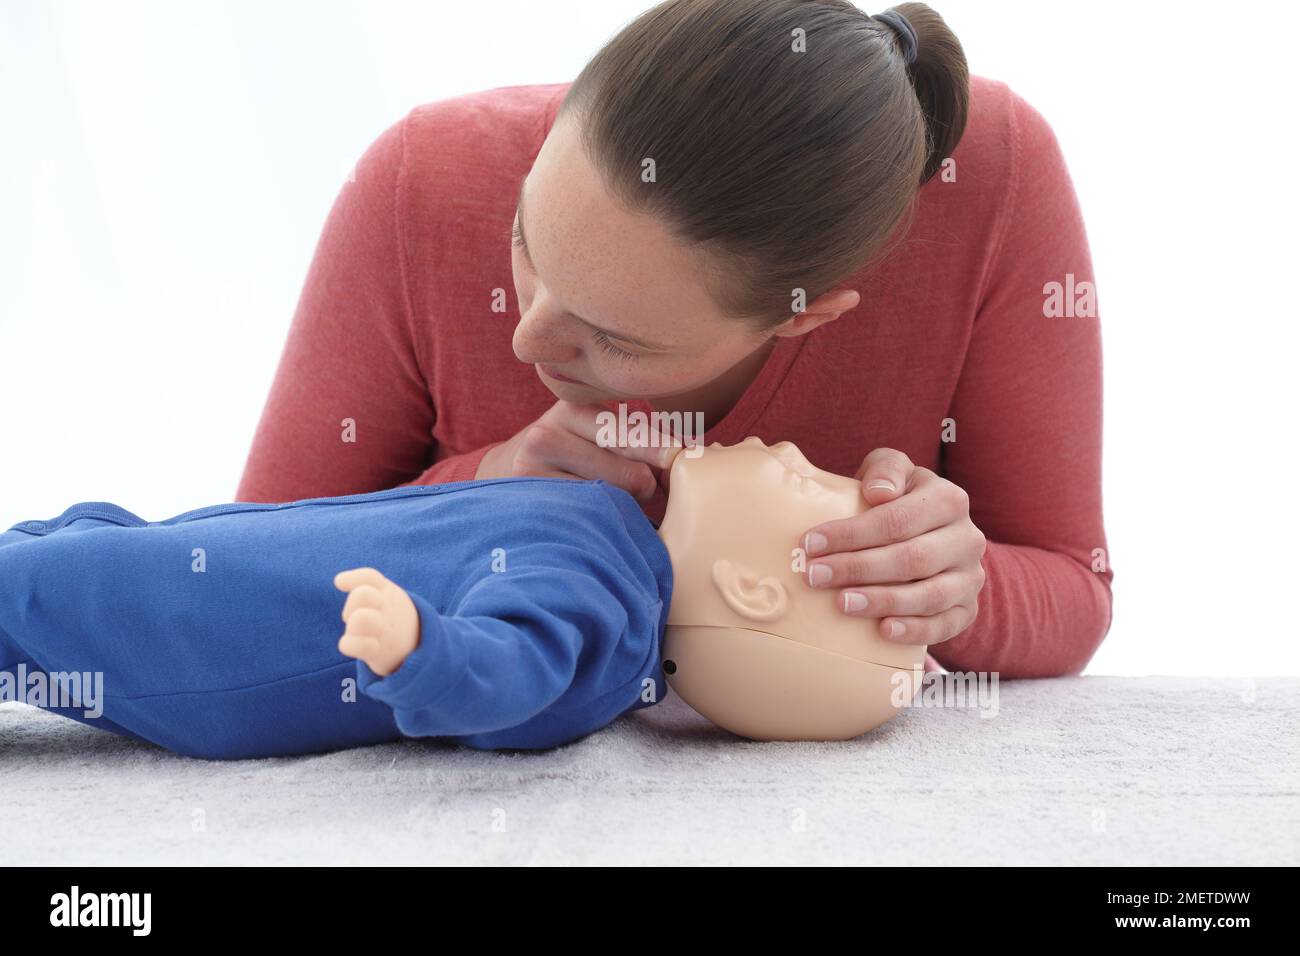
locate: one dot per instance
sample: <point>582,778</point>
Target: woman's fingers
<point>551,450</point>
<point>913,560</point>
<point>931,503</point>
<point>929,630</point>
<point>655,450</point>
<point>885,474</point>
<point>915,599</point>
<point>573,441</point>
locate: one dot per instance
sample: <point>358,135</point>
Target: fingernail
<point>896,629</point>
<point>818,574</point>
<point>854,601</point>
<point>814,543</point>
<point>882,483</point>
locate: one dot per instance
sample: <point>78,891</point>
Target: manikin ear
<point>759,599</point>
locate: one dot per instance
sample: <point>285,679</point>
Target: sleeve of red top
<point>462,467</point>
<point>1028,419</point>
<point>351,357</point>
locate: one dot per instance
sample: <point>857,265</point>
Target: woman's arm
<point>1028,419</point>
<point>998,562</point>
<point>349,409</point>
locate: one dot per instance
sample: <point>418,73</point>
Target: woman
<point>756,211</point>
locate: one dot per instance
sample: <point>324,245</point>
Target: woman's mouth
<point>558,375</point>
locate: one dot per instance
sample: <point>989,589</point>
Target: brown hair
<point>787,169</point>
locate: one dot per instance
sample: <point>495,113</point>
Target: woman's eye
<point>610,348</point>
<point>516,237</point>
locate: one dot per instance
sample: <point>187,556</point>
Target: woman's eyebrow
<point>622,337</point>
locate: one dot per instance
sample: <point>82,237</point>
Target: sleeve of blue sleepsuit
<point>519,641</point>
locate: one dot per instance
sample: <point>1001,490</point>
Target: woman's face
<point>606,297</point>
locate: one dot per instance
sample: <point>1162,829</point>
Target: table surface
<point>1085,770</point>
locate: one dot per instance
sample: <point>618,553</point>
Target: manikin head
<point>748,643</point>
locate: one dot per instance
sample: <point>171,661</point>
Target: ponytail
<point>941,81</point>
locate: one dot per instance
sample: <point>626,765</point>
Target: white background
<point>165,169</point>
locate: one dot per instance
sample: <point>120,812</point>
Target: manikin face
<point>606,296</point>
<point>733,528</point>
<point>748,644</point>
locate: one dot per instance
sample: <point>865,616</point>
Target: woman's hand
<point>912,560</point>
<point>562,443</point>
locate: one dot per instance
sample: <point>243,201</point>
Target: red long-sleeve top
<point>395,330</point>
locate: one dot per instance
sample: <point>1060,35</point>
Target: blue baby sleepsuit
<point>542,606</point>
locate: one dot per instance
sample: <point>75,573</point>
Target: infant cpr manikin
<point>748,643</point>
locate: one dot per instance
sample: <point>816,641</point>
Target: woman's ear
<point>759,599</point>
<point>827,307</point>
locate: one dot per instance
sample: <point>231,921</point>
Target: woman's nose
<point>542,336</point>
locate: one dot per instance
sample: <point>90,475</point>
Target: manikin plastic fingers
<point>347,580</point>
<point>353,645</point>
<point>366,622</point>
<point>365,595</point>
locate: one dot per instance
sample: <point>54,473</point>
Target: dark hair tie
<point>903,32</point>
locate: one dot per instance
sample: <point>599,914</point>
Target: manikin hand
<point>383,626</point>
